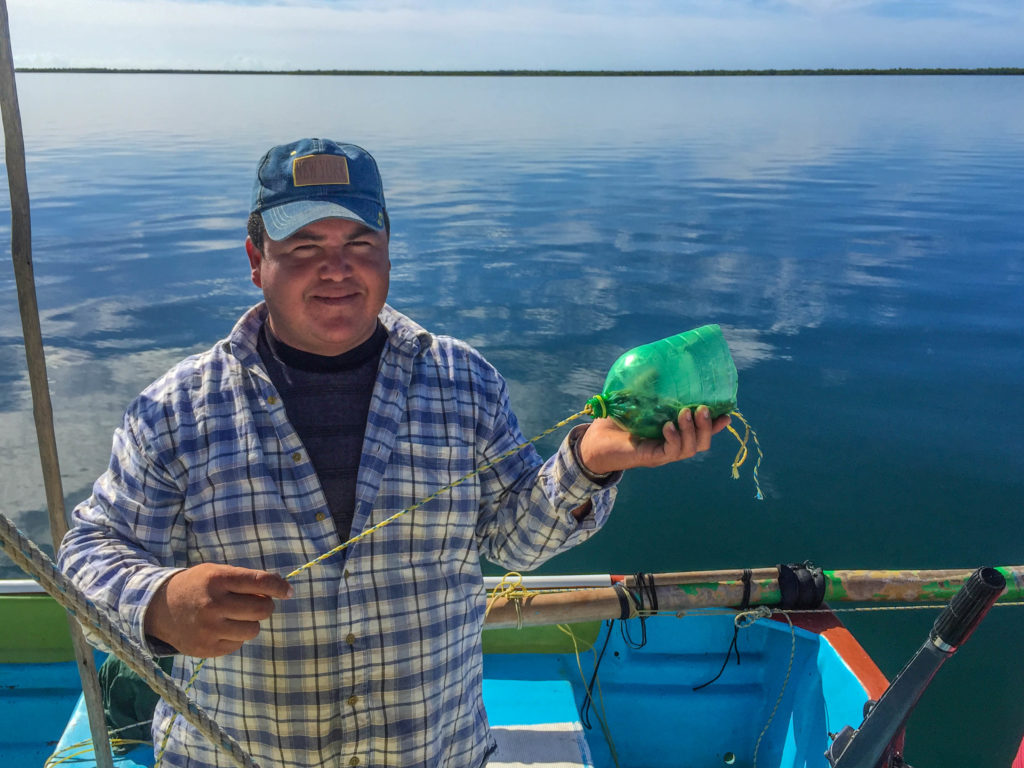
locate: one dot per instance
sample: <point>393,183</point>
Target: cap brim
<point>283,221</point>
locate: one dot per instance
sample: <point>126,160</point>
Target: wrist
<point>576,437</point>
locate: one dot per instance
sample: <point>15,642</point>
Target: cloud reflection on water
<point>552,223</point>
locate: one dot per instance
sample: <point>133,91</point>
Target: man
<point>324,412</point>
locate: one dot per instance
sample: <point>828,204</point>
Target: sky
<point>516,34</point>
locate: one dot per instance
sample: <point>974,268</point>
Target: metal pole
<point>21,253</point>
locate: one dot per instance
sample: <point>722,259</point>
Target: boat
<point>779,700</point>
<point>670,670</point>
<point>599,671</point>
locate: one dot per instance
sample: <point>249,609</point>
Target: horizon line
<point>540,72</point>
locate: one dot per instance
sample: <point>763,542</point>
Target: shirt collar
<point>406,335</point>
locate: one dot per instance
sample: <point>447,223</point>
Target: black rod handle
<point>866,746</point>
<point>967,608</point>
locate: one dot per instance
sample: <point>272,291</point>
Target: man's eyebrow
<point>359,231</point>
<point>304,234</point>
<point>362,229</point>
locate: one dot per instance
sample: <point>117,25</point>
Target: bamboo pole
<point>21,253</point>
<point>723,589</point>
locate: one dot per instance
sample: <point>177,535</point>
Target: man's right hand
<point>210,610</point>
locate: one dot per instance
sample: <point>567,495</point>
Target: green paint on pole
<point>835,589</point>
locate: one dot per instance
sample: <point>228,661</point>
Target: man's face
<point>324,285</point>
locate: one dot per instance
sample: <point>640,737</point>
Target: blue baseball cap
<point>314,179</point>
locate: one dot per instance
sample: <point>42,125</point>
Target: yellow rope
<point>482,468</point>
<point>72,751</point>
<point>599,709</point>
<point>511,588</point>
<point>741,455</point>
<point>167,732</point>
<point>566,629</point>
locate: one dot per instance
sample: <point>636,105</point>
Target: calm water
<point>860,240</point>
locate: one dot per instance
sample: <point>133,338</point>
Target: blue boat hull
<point>782,711</point>
<point>790,688</point>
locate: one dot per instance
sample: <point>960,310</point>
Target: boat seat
<point>536,724</point>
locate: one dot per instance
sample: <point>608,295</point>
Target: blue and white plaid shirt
<point>376,660</point>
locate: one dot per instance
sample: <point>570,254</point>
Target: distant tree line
<point>545,72</point>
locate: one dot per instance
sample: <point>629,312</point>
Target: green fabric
<point>649,385</point>
<point>34,630</point>
<point>127,701</point>
<point>543,639</point>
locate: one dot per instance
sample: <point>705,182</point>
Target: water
<point>859,239</point>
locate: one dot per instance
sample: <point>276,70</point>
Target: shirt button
<point>353,700</point>
<point>320,516</point>
<point>354,761</point>
<point>272,400</point>
<point>347,574</point>
<point>350,639</point>
<point>296,457</point>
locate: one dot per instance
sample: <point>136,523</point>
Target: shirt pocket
<point>440,483</point>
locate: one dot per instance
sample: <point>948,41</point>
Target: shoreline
<point>537,72</point>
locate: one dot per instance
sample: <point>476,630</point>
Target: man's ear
<point>255,261</point>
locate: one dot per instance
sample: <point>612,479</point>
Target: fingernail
<point>687,414</point>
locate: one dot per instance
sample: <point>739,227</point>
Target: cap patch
<point>311,170</point>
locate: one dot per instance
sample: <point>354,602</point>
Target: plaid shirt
<point>376,660</point>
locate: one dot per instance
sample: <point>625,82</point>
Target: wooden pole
<point>724,589</point>
<point>21,253</point>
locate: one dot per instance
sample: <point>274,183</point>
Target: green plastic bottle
<point>649,385</point>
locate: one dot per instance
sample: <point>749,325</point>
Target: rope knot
<point>744,619</point>
<point>512,590</point>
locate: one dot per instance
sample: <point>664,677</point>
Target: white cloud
<point>530,35</point>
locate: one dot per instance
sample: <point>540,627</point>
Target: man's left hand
<point>606,447</point>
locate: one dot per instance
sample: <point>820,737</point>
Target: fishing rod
<point>874,743</point>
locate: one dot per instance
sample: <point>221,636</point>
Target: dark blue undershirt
<point>327,400</point>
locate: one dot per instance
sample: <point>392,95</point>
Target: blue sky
<point>517,34</point>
